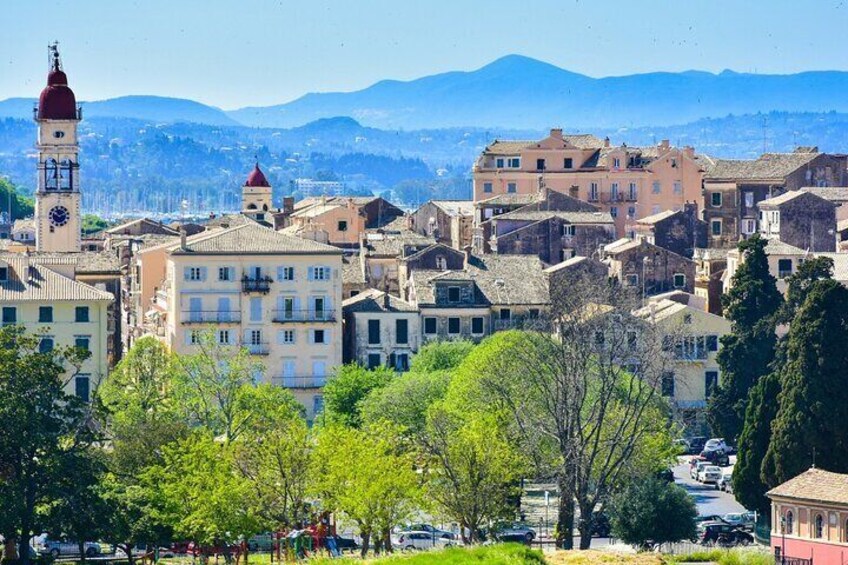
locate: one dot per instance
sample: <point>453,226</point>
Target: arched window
<point>265,207</point>
<point>818,531</point>
<point>66,171</point>
<point>789,522</point>
<point>51,175</point>
<point>251,206</point>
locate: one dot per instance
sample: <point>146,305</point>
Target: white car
<point>710,475</point>
<point>715,444</point>
<point>695,473</point>
<point>412,540</point>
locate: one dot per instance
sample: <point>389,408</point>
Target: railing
<point>785,560</point>
<point>262,284</point>
<point>257,348</point>
<point>309,381</point>
<point>283,316</point>
<point>210,317</point>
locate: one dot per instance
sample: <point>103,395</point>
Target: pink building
<point>628,182</point>
<point>810,518</point>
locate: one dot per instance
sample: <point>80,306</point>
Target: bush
<point>653,510</point>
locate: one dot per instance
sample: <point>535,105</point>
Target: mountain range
<point>512,92</point>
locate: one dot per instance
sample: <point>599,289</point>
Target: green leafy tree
<point>651,509</point>
<point>368,477</point>
<point>809,427</point>
<point>746,353</point>
<point>406,399</point>
<point>347,389</point>
<point>92,224</point>
<point>273,455</point>
<point>22,207</point>
<point>41,429</point>
<point>473,470</point>
<point>440,356</point>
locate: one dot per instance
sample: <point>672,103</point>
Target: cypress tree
<point>810,424</point>
<point>746,354</point>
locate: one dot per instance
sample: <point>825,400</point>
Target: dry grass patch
<point>594,557</point>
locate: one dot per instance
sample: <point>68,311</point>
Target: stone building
<point>380,329</point>
<point>800,218</point>
<point>680,231</point>
<point>648,268</point>
<point>447,221</point>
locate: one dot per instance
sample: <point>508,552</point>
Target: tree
<point>41,429</point>
<point>405,400</point>
<point>746,353</point>
<point>473,471</point>
<point>367,476</point>
<point>22,207</point>
<point>348,388</point>
<point>440,356</point>
<point>273,455</point>
<point>576,406</point>
<point>92,223</point>
<point>651,509</point>
<point>209,386</point>
<point>809,427</point>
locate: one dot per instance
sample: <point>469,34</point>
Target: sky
<point>232,54</point>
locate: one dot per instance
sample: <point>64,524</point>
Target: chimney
<point>664,145</point>
<point>288,204</point>
<point>467,250</point>
<point>386,300</point>
<point>410,222</point>
<point>606,141</point>
<point>556,133</point>
<point>183,237</point>
<point>689,151</point>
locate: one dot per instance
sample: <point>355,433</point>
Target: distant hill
<point>157,109</point>
<point>520,92</point>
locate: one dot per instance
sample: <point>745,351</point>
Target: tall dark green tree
<point>800,283</point>
<point>746,353</point>
<point>809,427</point>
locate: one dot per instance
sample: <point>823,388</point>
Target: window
<point>499,162</point>
<point>715,199</point>
<point>784,268</point>
<point>631,212</point>
<point>540,164</point>
<point>477,325</point>
<point>254,337</point>
<point>614,191</point>
<point>256,309</point>
<point>4,271</point>
<point>656,188</point>
<point>593,191</point>
<point>83,342</point>
<point>818,528</point>
<point>710,383</point>
<point>712,343</point>
<point>668,384</point>
<point>373,332</point>
<point>505,314</point>
<point>511,187</point>
<point>533,313</point>
<point>715,227</point>
<point>631,280</point>
<point>319,336</point>
<point>679,280</point>
<point>567,230</point>
<point>374,360</point>
<point>223,337</point>
<point>319,273</point>
<point>430,326</point>
<point>441,263</point>
<point>633,191</point>
<point>487,187</point>
<point>193,337</point>
<point>616,163</point>
<point>45,314</point>
<point>81,314</point>
<point>614,211</point>
<point>401,332</point>
<point>678,187</point>
<point>453,326</point>
<point>224,274</point>
<point>514,162</point>
<point>285,273</point>
<point>286,337</point>
<point>568,163</point>
<point>453,294</point>
<point>82,387</point>
<point>789,522</point>
<point>749,199</point>
<point>46,344</point>
<point>10,315</point>
<point>342,226</point>
<point>402,362</point>
<point>194,273</point>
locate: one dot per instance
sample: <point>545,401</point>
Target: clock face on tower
<point>58,216</point>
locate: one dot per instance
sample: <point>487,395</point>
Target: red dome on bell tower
<point>256,178</point>
<point>57,100</point>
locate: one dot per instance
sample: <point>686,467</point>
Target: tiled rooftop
<point>814,485</point>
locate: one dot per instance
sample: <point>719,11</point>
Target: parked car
<point>56,548</point>
<point>709,475</point>
<point>715,444</point>
<point>703,520</point>
<point>143,549</point>
<point>696,444</point>
<point>410,540</point>
<point>720,533</point>
<point>717,457</point>
<point>429,528</point>
<point>726,482</point>
<point>513,532</point>
<point>744,520</point>
<point>696,471</point>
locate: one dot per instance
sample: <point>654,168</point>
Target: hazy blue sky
<point>255,52</point>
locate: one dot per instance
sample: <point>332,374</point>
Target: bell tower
<point>256,195</point>
<point>58,222</point>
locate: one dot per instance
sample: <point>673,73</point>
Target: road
<point>707,498</point>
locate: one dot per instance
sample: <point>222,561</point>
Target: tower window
<point>51,175</point>
<point>66,172</point>
<point>58,134</point>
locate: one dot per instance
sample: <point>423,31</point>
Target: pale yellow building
<point>696,335</point>
<point>41,295</point>
<point>276,295</point>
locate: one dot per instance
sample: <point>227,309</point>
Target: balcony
<point>261,284</point>
<point>301,382</point>
<point>303,316</point>
<point>210,317</point>
<point>257,348</point>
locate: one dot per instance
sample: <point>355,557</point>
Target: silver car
<point>710,475</point>
<point>57,548</point>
